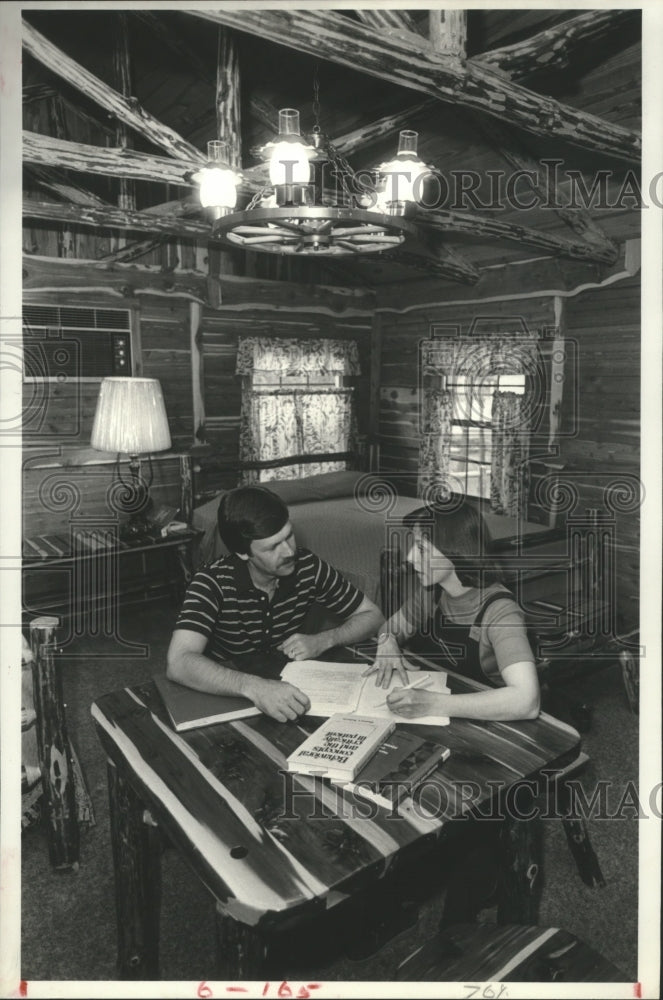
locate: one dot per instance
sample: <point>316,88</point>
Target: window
<point>295,403</point>
<point>471,428</point>
<point>482,398</point>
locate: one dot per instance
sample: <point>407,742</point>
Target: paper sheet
<point>340,687</point>
<point>331,687</point>
<point>372,699</point>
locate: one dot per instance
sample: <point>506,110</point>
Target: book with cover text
<point>190,709</point>
<point>340,747</point>
<point>399,766</point>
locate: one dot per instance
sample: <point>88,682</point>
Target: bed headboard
<point>213,473</point>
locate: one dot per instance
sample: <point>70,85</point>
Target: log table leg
<point>137,862</point>
<point>520,854</point>
<point>577,836</point>
<point>55,753</point>
<point>240,950</point>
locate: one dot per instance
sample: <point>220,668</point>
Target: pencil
<point>408,687</point>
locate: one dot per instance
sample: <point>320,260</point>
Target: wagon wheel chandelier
<point>299,211</point>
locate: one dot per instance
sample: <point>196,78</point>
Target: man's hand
<point>279,700</point>
<point>387,660</point>
<point>303,647</point>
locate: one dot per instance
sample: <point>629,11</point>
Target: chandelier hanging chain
<point>316,97</point>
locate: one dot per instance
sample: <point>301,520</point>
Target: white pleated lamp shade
<point>131,417</point>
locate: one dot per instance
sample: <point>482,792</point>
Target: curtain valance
<point>514,353</point>
<point>290,356</point>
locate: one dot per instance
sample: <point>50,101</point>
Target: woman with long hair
<point>471,618</point>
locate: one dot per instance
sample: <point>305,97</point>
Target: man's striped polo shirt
<point>223,604</point>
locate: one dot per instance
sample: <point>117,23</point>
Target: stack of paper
<point>340,687</point>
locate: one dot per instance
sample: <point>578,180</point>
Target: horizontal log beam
<point>125,109</point>
<point>112,162</point>
<point>50,274</point>
<point>328,35</point>
<point>109,217</point>
<point>546,276</point>
<point>78,156</point>
<point>449,265</point>
<point>482,227</point>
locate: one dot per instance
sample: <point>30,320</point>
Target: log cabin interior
<point>346,340</point>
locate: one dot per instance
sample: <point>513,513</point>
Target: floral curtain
<point>510,451</point>
<point>435,449</point>
<point>279,421</point>
<point>479,359</point>
<point>297,357</point>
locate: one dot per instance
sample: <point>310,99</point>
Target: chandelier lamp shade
<point>401,180</point>
<point>297,212</point>
<point>131,419</point>
<point>218,181</point>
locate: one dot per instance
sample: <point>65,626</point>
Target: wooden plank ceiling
<point>128,100</point>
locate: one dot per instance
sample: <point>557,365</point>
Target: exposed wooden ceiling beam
<point>388,21</point>
<point>553,48</point>
<point>125,109</point>
<point>480,227</point>
<point>332,36</point>
<point>109,217</point>
<point>228,121</point>
<point>68,190</point>
<point>443,263</point>
<point>447,31</point>
<point>577,218</point>
<point>122,72</point>
<point>78,156</point>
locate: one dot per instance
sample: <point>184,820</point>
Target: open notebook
<point>340,687</point>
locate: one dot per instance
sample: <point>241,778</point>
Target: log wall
<point>598,448</point>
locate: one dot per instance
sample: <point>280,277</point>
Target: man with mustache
<point>242,615</point>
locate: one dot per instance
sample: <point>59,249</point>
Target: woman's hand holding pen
<point>414,700</point>
<point>388,658</point>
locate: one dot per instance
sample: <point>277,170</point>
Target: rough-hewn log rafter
<point>553,48</point>
<point>482,227</point>
<point>578,219</point>
<point>332,36</point>
<point>228,120</point>
<point>388,21</point>
<point>127,110</point>
<point>78,156</point>
<point>447,31</point>
<point>109,217</point>
<point>122,72</point>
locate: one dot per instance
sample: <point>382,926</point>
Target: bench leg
<point>137,862</point>
<point>240,950</point>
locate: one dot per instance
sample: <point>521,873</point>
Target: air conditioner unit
<point>75,343</point>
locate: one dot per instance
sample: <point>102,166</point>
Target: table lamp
<point>131,419</point>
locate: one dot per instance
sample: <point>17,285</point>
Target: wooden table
<point>246,830</point>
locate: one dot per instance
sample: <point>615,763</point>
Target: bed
<point>350,519</point>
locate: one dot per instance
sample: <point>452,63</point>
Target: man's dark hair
<point>248,513</point>
<point>460,533</point>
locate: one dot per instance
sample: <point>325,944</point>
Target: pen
<point>409,687</point>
